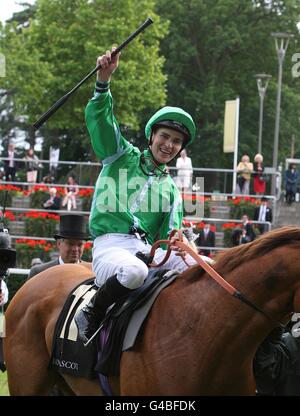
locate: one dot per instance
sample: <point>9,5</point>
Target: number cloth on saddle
<point>121,327</point>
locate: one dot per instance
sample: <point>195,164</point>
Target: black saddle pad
<point>69,356</point>
<point>117,320</point>
<point>103,354</point>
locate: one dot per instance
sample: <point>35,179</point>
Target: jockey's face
<point>166,144</point>
<point>70,250</point>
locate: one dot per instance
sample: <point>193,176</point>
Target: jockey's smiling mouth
<point>166,144</point>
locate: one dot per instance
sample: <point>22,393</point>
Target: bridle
<point>208,268</point>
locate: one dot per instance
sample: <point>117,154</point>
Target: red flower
<point>39,244</point>
<point>38,188</point>
<point>230,225</point>
<point>9,215</point>
<point>43,215</point>
<point>86,192</point>
<point>200,225</point>
<point>10,188</point>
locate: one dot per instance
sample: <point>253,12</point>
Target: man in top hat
<point>70,242</point>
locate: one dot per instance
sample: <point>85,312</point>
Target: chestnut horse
<point>198,339</point>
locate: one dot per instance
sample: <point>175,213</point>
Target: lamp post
<point>281,44</point>
<point>262,81</point>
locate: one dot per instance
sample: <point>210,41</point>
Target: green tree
<point>11,119</point>
<point>212,51</point>
<point>50,56</point>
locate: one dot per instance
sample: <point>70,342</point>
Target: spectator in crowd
<point>244,170</point>
<point>48,179</point>
<point>277,364</point>
<point>3,301</point>
<point>248,227</point>
<point>54,200</point>
<point>70,242</point>
<point>10,164</point>
<point>184,167</point>
<point>238,236</point>
<point>263,213</point>
<point>32,166</point>
<point>292,177</point>
<point>3,292</point>
<point>36,261</point>
<point>188,233</point>
<point>71,190</point>
<point>207,238</point>
<point>259,183</point>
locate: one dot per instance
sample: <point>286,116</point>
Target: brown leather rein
<point>207,267</point>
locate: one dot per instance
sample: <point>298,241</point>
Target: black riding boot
<point>89,318</point>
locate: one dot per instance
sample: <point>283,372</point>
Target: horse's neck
<point>196,321</point>
<point>267,282</point>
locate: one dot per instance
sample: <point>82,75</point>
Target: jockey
<point>135,200</point>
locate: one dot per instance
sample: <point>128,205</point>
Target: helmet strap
<point>150,167</point>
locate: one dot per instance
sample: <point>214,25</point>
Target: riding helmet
<point>174,118</point>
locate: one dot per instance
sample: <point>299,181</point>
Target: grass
<point>3,384</point>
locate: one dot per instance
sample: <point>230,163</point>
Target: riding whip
<point>64,98</point>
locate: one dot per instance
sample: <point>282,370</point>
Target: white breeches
<point>115,254</point>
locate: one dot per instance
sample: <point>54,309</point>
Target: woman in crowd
<point>32,165</point>
<point>71,190</point>
<point>259,183</point>
<point>244,170</point>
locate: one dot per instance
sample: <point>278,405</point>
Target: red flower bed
<point>88,192</point>
<point>33,244</point>
<point>229,225</point>
<point>200,225</point>
<point>9,215</point>
<point>10,188</point>
<point>88,245</point>
<point>41,215</point>
<point>27,249</point>
<point>197,225</point>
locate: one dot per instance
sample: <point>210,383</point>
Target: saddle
<point>121,326</point>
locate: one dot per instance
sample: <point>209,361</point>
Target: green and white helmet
<point>174,118</point>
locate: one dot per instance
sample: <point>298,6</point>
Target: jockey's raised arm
<point>135,200</point>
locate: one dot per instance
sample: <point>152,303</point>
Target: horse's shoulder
<point>86,264</point>
<point>75,269</point>
<point>79,268</point>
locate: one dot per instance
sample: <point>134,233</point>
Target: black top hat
<point>72,226</point>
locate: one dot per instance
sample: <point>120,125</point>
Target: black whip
<point>64,98</point>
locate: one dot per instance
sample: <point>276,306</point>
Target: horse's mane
<point>234,257</point>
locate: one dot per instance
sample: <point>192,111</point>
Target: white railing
<point>224,181</point>
<point>18,271</point>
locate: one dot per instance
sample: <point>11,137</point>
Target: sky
<point>8,7</point>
